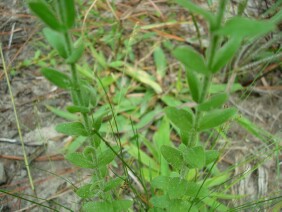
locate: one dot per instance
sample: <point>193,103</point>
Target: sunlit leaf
<point>215,118</point>
<point>225,54</point>
<point>57,41</point>
<point>240,27</point>
<point>214,102</point>
<point>79,160</point>
<point>72,128</point>
<point>182,119</point>
<point>195,157</point>
<point>191,59</point>
<point>172,156</point>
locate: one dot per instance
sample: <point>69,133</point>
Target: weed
<point>181,178</point>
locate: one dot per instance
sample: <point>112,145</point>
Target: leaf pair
<point>58,41</point>
<point>194,157</point>
<point>176,188</point>
<point>85,160</point>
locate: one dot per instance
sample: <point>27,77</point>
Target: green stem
<point>214,40</point>
<point>17,121</point>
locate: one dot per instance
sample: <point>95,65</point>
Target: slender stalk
<point>207,79</point>
<point>17,121</point>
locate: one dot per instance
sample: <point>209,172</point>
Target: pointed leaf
<point>76,109</point>
<point>68,12</point>
<point>191,59</point>
<point>57,41</point>
<point>198,10</point>
<point>195,157</point>
<point>182,119</point>
<point>172,156</point>
<point>79,160</point>
<point>194,85</point>
<point>57,78</point>
<point>214,102</point>
<point>45,13</point>
<point>216,118</point>
<point>72,128</point>
<point>240,27</point>
<point>225,54</point>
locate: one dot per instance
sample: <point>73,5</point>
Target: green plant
<point>59,17</point>
<point>189,187</point>
<point>183,178</point>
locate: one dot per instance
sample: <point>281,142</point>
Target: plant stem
<point>207,79</point>
<point>17,121</point>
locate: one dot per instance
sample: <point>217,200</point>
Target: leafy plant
<point>183,193</point>
<point>181,178</point>
<point>59,19</point>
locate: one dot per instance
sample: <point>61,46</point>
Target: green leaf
<point>57,78</point>
<point>211,156</point>
<point>160,61</point>
<point>191,59</point>
<point>142,77</point>
<point>79,160</point>
<point>225,54</point>
<point>198,10</point>
<point>160,182</point>
<point>112,184</point>
<point>106,157</point>
<point>76,109</point>
<point>179,205</point>
<point>75,144</point>
<point>240,27</point>
<point>98,206</point>
<point>216,118</point>
<point>85,191</point>
<point>57,41</point>
<point>214,102</point>
<point>195,190</point>
<point>68,13</point>
<point>72,128</point>
<point>182,119</point>
<point>45,13</point>
<point>194,85</point>
<point>177,188</point>
<point>160,201</point>
<point>172,156</point>
<point>195,157</point>
<point>121,205</point>
<point>76,54</point>
<point>62,113</point>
